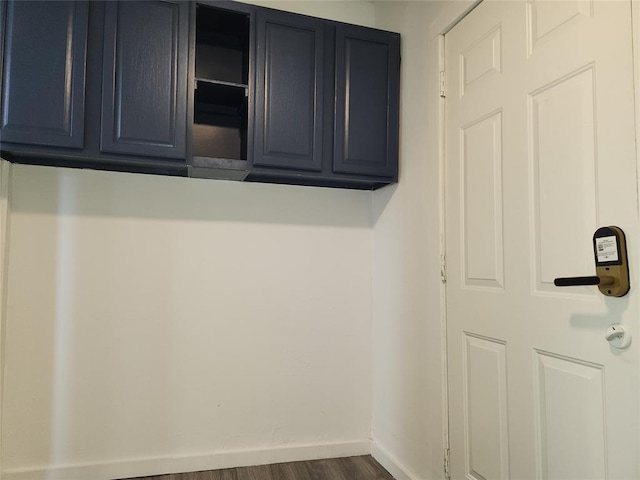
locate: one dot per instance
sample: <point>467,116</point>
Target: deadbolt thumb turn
<point>612,269</point>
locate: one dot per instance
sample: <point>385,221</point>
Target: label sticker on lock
<point>607,249</point>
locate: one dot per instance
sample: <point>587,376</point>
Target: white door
<point>540,153</point>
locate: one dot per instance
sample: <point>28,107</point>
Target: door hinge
<point>443,268</point>
<point>443,92</point>
<point>447,473</point>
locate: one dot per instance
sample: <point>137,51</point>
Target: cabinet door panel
<point>144,96</point>
<point>367,90</point>
<point>288,120</point>
<point>43,74</point>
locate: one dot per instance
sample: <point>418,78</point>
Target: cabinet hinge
<point>447,473</point>
<point>443,268</point>
<point>443,92</point>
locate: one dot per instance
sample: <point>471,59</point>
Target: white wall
<point>408,414</point>
<point>153,317</point>
<point>5,174</point>
<point>357,12</point>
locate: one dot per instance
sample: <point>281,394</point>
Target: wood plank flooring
<point>349,468</point>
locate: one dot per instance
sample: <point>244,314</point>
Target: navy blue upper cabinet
<point>367,97</point>
<point>326,102</point>
<point>200,88</point>
<point>289,91</point>
<point>144,85</point>
<point>43,73</point>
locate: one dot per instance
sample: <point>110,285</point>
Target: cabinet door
<point>367,97</point>
<point>289,89</point>
<point>43,74</point>
<point>144,85</point>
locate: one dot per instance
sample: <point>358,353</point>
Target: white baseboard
<point>391,463</point>
<point>192,463</point>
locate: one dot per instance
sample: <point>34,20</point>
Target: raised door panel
<point>367,94</point>
<point>289,92</point>
<point>144,96</point>
<point>43,74</point>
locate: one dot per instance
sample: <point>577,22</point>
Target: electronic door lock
<point>612,269</point>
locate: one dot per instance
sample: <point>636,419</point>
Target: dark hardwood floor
<point>349,468</point>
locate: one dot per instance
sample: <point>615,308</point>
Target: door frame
<point>452,14</point>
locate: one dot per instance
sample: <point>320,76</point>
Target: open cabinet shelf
<point>222,83</point>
